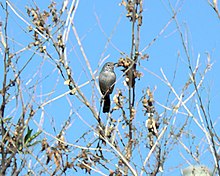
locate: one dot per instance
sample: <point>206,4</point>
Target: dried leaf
<point>49,154</point>
<point>57,158</point>
<point>44,144</point>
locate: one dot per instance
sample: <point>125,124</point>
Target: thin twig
<point>153,148</point>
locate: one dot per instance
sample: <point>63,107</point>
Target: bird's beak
<point>116,64</point>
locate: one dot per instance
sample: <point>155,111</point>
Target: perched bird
<point>107,80</point>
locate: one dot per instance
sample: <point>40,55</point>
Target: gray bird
<point>107,80</point>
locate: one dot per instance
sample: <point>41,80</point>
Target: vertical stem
<point>4,90</point>
<point>131,84</point>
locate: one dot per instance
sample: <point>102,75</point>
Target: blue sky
<point>96,22</point>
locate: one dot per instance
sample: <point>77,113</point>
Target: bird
<point>107,78</point>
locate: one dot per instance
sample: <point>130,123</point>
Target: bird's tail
<point>107,102</point>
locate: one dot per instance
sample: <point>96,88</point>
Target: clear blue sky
<point>200,26</point>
